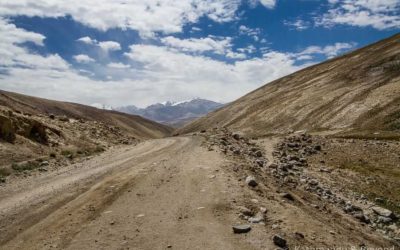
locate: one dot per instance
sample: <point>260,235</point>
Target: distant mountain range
<point>175,114</point>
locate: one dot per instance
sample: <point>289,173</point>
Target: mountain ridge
<point>173,113</point>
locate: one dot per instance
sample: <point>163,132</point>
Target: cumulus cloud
<point>87,40</point>
<point>109,46</point>
<point>83,58</point>
<point>147,17</point>
<point>12,54</point>
<point>362,13</point>
<point>104,45</point>
<point>161,73</point>
<point>217,45</point>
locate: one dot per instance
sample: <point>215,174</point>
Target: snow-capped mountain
<point>174,113</point>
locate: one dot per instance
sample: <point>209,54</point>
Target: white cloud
<point>362,13</point>
<point>109,46</point>
<point>104,45</point>
<point>268,3</point>
<point>216,45</point>
<point>253,33</point>
<point>87,40</point>
<point>83,58</point>
<point>167,16</point>
<point>160,73</point>
<point>118,66</point>
<point>298,24</point>
<point>328,51</point>
<point>14,55</point>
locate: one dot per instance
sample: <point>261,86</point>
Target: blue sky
<point>138,52</point>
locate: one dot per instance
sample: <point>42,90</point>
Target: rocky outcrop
<point>7,129</point>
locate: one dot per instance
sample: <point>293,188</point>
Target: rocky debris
<point>240,229</point>
<point>251,181</point>
<point>7,129</point>
<point>245,211</point>
<point>279,241</point>
<point>44,163</point>
<point>258,218</point>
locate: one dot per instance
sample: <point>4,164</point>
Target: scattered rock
<point>279,241</point>
<point>251,181</point>
<point>239,229</point>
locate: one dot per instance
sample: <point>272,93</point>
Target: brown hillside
<point>134,125</point>
<point>355,93</point>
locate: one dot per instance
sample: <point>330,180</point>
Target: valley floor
<point>166,193</point>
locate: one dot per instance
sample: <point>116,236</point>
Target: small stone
<point>287,196</point>
<point>257,219</point>
<point>279,241</point>
<point>384,220</point>
<point>236,136</point>
<point>44,163</point>
<point>299,235</point>
<point>383,212</point>
<point>239,229</point>
<point>251,181</point>
<point>245,211</point>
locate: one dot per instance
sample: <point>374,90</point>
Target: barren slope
<point>359,91</point>
<point>134,125</point>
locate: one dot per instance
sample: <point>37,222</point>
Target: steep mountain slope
<point>174,114</point>
<point>356,93</point>
<point>134,125</point>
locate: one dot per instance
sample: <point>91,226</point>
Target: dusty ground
<point>179,193</point>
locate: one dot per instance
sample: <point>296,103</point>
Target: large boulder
<point>7,129</point>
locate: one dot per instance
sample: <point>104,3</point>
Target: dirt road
<point>159,194</point>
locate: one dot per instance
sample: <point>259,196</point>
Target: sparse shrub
<point>66,152</point>
<point>99,149</point>
<point>53,155</point>
<point>4,172</point>
<point>30,165</point>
